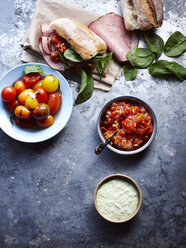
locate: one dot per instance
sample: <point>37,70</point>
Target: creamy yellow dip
<point>117,199</point>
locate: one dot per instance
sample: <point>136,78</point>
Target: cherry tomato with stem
<point>47,122</point>
<point>41,95</point>
<point>8,94</point>
<point>19,86</point>
<point>54,102</point>
<point>23,95</point>
<point>12,105</point>
<point>31,79</point>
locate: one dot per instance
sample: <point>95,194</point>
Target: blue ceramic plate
<point>35,134</point>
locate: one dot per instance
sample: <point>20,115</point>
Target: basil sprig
<point>175,45</point>
<point>86,88</point>
<point>164,68</point>
<point>130,72</point>
<point>103,63</point>
<point>155,42</point>
<point>140,57</point>
<point>33,68</point>
<point>72,56</point>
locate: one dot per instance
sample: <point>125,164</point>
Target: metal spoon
<point>101,146</point>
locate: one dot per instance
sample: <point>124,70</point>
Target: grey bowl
<point>133,100</point>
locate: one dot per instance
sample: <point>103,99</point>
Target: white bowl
<point>34,135</point>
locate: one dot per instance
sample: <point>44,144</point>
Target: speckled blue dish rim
<point>34,135</point>
<point>136,100</point>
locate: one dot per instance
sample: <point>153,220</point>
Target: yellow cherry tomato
<point>31,102</point>
<point>50,84</point>
<point>47,122</point>
<point>23,96</point>
<point>38,85</point>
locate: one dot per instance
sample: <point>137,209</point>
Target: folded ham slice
<point>111,29</point>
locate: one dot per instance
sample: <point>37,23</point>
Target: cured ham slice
<point>46,30</point>
<point>111,29</point>
<point>57,66</point>
<point>45,47</point>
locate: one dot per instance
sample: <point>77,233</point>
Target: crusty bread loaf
<point>142,14</point>
<point>84,41</point>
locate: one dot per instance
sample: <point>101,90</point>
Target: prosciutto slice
<point>111,29</point>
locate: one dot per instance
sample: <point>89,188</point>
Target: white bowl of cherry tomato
<point>36,102</point>
<point>133,122</point>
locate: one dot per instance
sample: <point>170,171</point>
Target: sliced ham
<point>45,45</point>
<point>111,29</point>
<point>57,66</point>
<point>46,30</point>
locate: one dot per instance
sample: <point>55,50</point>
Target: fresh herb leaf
<point>33,68</point>
<point>175,45</point>
<point>164,68</point>
<point>97,58</point>
<point>155,42</point>
<point>103,63</point>
<point>130,72</point>
<point>86,88</point>
<point>62,58</point>
<point>71,55</point>
<point>140,57</point>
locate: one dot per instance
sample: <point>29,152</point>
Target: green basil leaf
<point>175,45</point>
<point>33,68</point>
<point>155,43</point>
<point>62,58</point>
<point>103,63</point>
<point>71,55</point>
<point>86,88</point>
<point>177,69</point>
<point>140,57</point>
<point>97,58</point>
<point>164,68</point>
<point>130,72</point>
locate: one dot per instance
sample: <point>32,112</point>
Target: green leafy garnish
<point>71,55</point>
<point>140,57</point>
<point>34,68</point>
<point>130,72</point>
<point>175,45</point>
<point>86,88</point>
<point>96,58</point>
<point>164,68</point>
<point>62,58</point>
<point>155,42</point>
<point>103,63</point>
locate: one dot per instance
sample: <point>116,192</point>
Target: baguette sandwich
<point>142,14</point>
<point>66,41</point>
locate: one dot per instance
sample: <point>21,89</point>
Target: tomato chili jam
<point>133,122</point>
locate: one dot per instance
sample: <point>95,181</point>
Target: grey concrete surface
<point>46,189</point>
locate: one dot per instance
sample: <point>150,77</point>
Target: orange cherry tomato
<point>19,86</point>
<point>12,105</point>
<point>25,123</point>
<point>23,95</point>
<point>46,122</point>
<point>22,112</point>
<point>54,102</point>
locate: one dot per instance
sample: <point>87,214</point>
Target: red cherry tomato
<point>19,86</point>
<point>8,94</point>
<point>25,123</point>
<point>31,79</point>
<point>42,95</point>
<point>12,105</point>
<point>54,102</point>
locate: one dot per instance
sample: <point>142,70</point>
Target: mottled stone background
<point>46,189</point>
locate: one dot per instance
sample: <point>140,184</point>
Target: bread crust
<point>149,13</point>
<point>84,41</point>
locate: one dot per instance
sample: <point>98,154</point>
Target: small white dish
<point>35,135</point>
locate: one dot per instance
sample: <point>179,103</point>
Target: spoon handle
<point>101,146</point>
